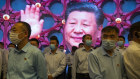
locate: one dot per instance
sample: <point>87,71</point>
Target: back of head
<point>74,48</point>
<point>34,39</point>
<point>27,27</point>
<point>85,6</point>
<point>134,28</point>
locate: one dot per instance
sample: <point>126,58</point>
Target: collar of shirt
<point>104,53</point>
<point>55,52</point>
<point>24,49</point>
<point>134,43</point>
<point>84,49</point>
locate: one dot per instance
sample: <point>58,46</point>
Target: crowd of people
<point>110,60</point>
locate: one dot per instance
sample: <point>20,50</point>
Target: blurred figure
<point>81,45</point>
<point>132,53</point>
<point>69,61</point>
<point>1,45</point>
<point>46,50</point>
<point>106,62</point>
<point>34,42</point>
<point>3,61</point>
<point>120,44</point>
<point>56,60</point>
<point>80,64</point>
<point>11,46</point>
<point>25,62</point>
<point>61,47</point>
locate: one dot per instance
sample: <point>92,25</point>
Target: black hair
<point>85,36</point>
<point>61,46</point>
<point>27,26</point>
<point>74,48</point>
<point>134,27</point>
<point>122,37</point>
<point>12,44</point>
<point>55,38</point>
<point>110,29</point>
<point>85,6</point>
<point>81,44</point>
<point>34,39</point>
<point>2,44</point>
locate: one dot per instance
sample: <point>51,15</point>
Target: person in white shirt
<point>69,61</point>
<point>120,44</point>
<point>56,60</point>
<point>80,64</point>
<point>132,53</point>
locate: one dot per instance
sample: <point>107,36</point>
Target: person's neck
<point>110,52</point>
<point>53,51</point>
<point>87,47</point>
<point>22,44</point>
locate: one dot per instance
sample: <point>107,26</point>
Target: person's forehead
<point>17,26</point>
<point>109,33</point>
<point>82,14</point>
<point>53,41</point>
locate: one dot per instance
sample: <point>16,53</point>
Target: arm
<point>94,67</point>
<point>61,68</point>
<point>40,66</point>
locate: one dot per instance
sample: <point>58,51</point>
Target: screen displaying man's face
<point>78,24</point>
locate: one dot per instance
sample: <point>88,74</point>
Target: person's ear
<point>26,34</point>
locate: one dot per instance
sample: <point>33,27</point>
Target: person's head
<point>135,32</point>
<point>12,45</point>
<point>61,47</point>
<point>81,18</point>
<point>1,45</point>
<point>54,43</point>
<point>19,32</point>
<point>109,37</point>
<point>74,48</point>
<point>87,40</point>
<point>81,45</point>
<point>34,42</point>
<point>121,41</point>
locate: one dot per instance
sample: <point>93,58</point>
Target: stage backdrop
<point>52,11</point>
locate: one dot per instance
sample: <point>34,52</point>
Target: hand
<point>50,77</point>
<point>31,16</point>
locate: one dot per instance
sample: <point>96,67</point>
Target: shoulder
<point>79,50</point>
<point>97,51</point>
<point>34,50</point>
